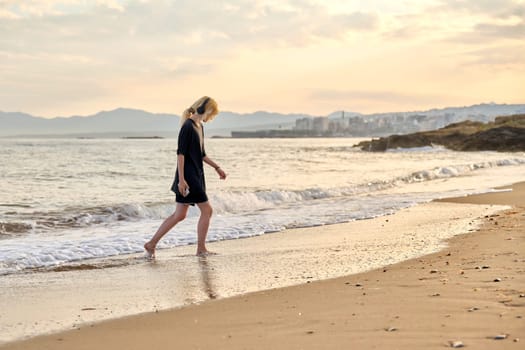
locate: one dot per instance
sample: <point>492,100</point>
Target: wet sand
<point>471,291</point>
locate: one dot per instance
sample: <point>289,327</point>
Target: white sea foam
<point>428,149</point>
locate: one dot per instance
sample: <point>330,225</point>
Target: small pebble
<point>391,329</point>
<point>516,340</point>
<point>435,295</point>
<point>309,332</point>
<point>500,336</point>
<point>497,279</point>
<point>456,344</point>
<point>358,285</point>
<point>434,271</point>
<point>522,295</point>
<point>473,309</point>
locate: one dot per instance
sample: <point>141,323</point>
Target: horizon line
<point>263,111</point>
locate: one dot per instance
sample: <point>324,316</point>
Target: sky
<point>78,57</point>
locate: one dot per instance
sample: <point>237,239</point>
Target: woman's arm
<point>222,174</point>
<point>182,185</point>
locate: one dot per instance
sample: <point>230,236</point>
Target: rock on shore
<point>505,134</point>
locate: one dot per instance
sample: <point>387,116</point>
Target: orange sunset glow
<point>66,57</point>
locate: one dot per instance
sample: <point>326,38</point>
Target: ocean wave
<point>240,215</point>
<point>229,202</point>
<point>78,217</point>
<point>9,228</point>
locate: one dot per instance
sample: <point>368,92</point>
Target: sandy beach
<point>469,293</point>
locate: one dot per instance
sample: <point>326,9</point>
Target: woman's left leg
<point>202,226</point>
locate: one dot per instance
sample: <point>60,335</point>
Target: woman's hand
<point>183,188</point>
<point>222,174</point>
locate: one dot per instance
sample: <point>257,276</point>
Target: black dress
<point>192,147</point>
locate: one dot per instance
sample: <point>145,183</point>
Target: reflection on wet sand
<point>207,277</point>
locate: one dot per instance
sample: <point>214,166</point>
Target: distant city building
<point>304,124</point>
<point>321,124</point>
<point>341,124</point>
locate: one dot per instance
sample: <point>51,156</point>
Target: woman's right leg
<point>180,214</point>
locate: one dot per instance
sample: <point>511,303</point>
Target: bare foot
<point>150,251</point>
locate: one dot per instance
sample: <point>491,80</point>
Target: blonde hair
<point>211,107</point>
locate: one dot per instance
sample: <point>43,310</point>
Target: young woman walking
<point>189,184</point>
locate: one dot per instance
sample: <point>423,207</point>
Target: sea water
<point>65,201</point>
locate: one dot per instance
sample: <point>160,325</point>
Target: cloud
<point>112,4</point>
<point>7,14</point>
<point>339,25</point>
<point>505,31</point>
<point>499,8</point>
<point>485,33</point>
<point>502,19</point>
<point>32,8</point>
<point>500,57</point>
<point>466,21</point>
<point>133,36</point>
<point>106,44</point>
<point>248,23</point>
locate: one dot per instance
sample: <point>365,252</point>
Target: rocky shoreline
<point>505,134</point>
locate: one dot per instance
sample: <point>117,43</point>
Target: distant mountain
<point>133,122</point>
<point>117,121</point>
<point>489,110</point>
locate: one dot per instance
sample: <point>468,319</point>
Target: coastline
<point>426,300</point>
